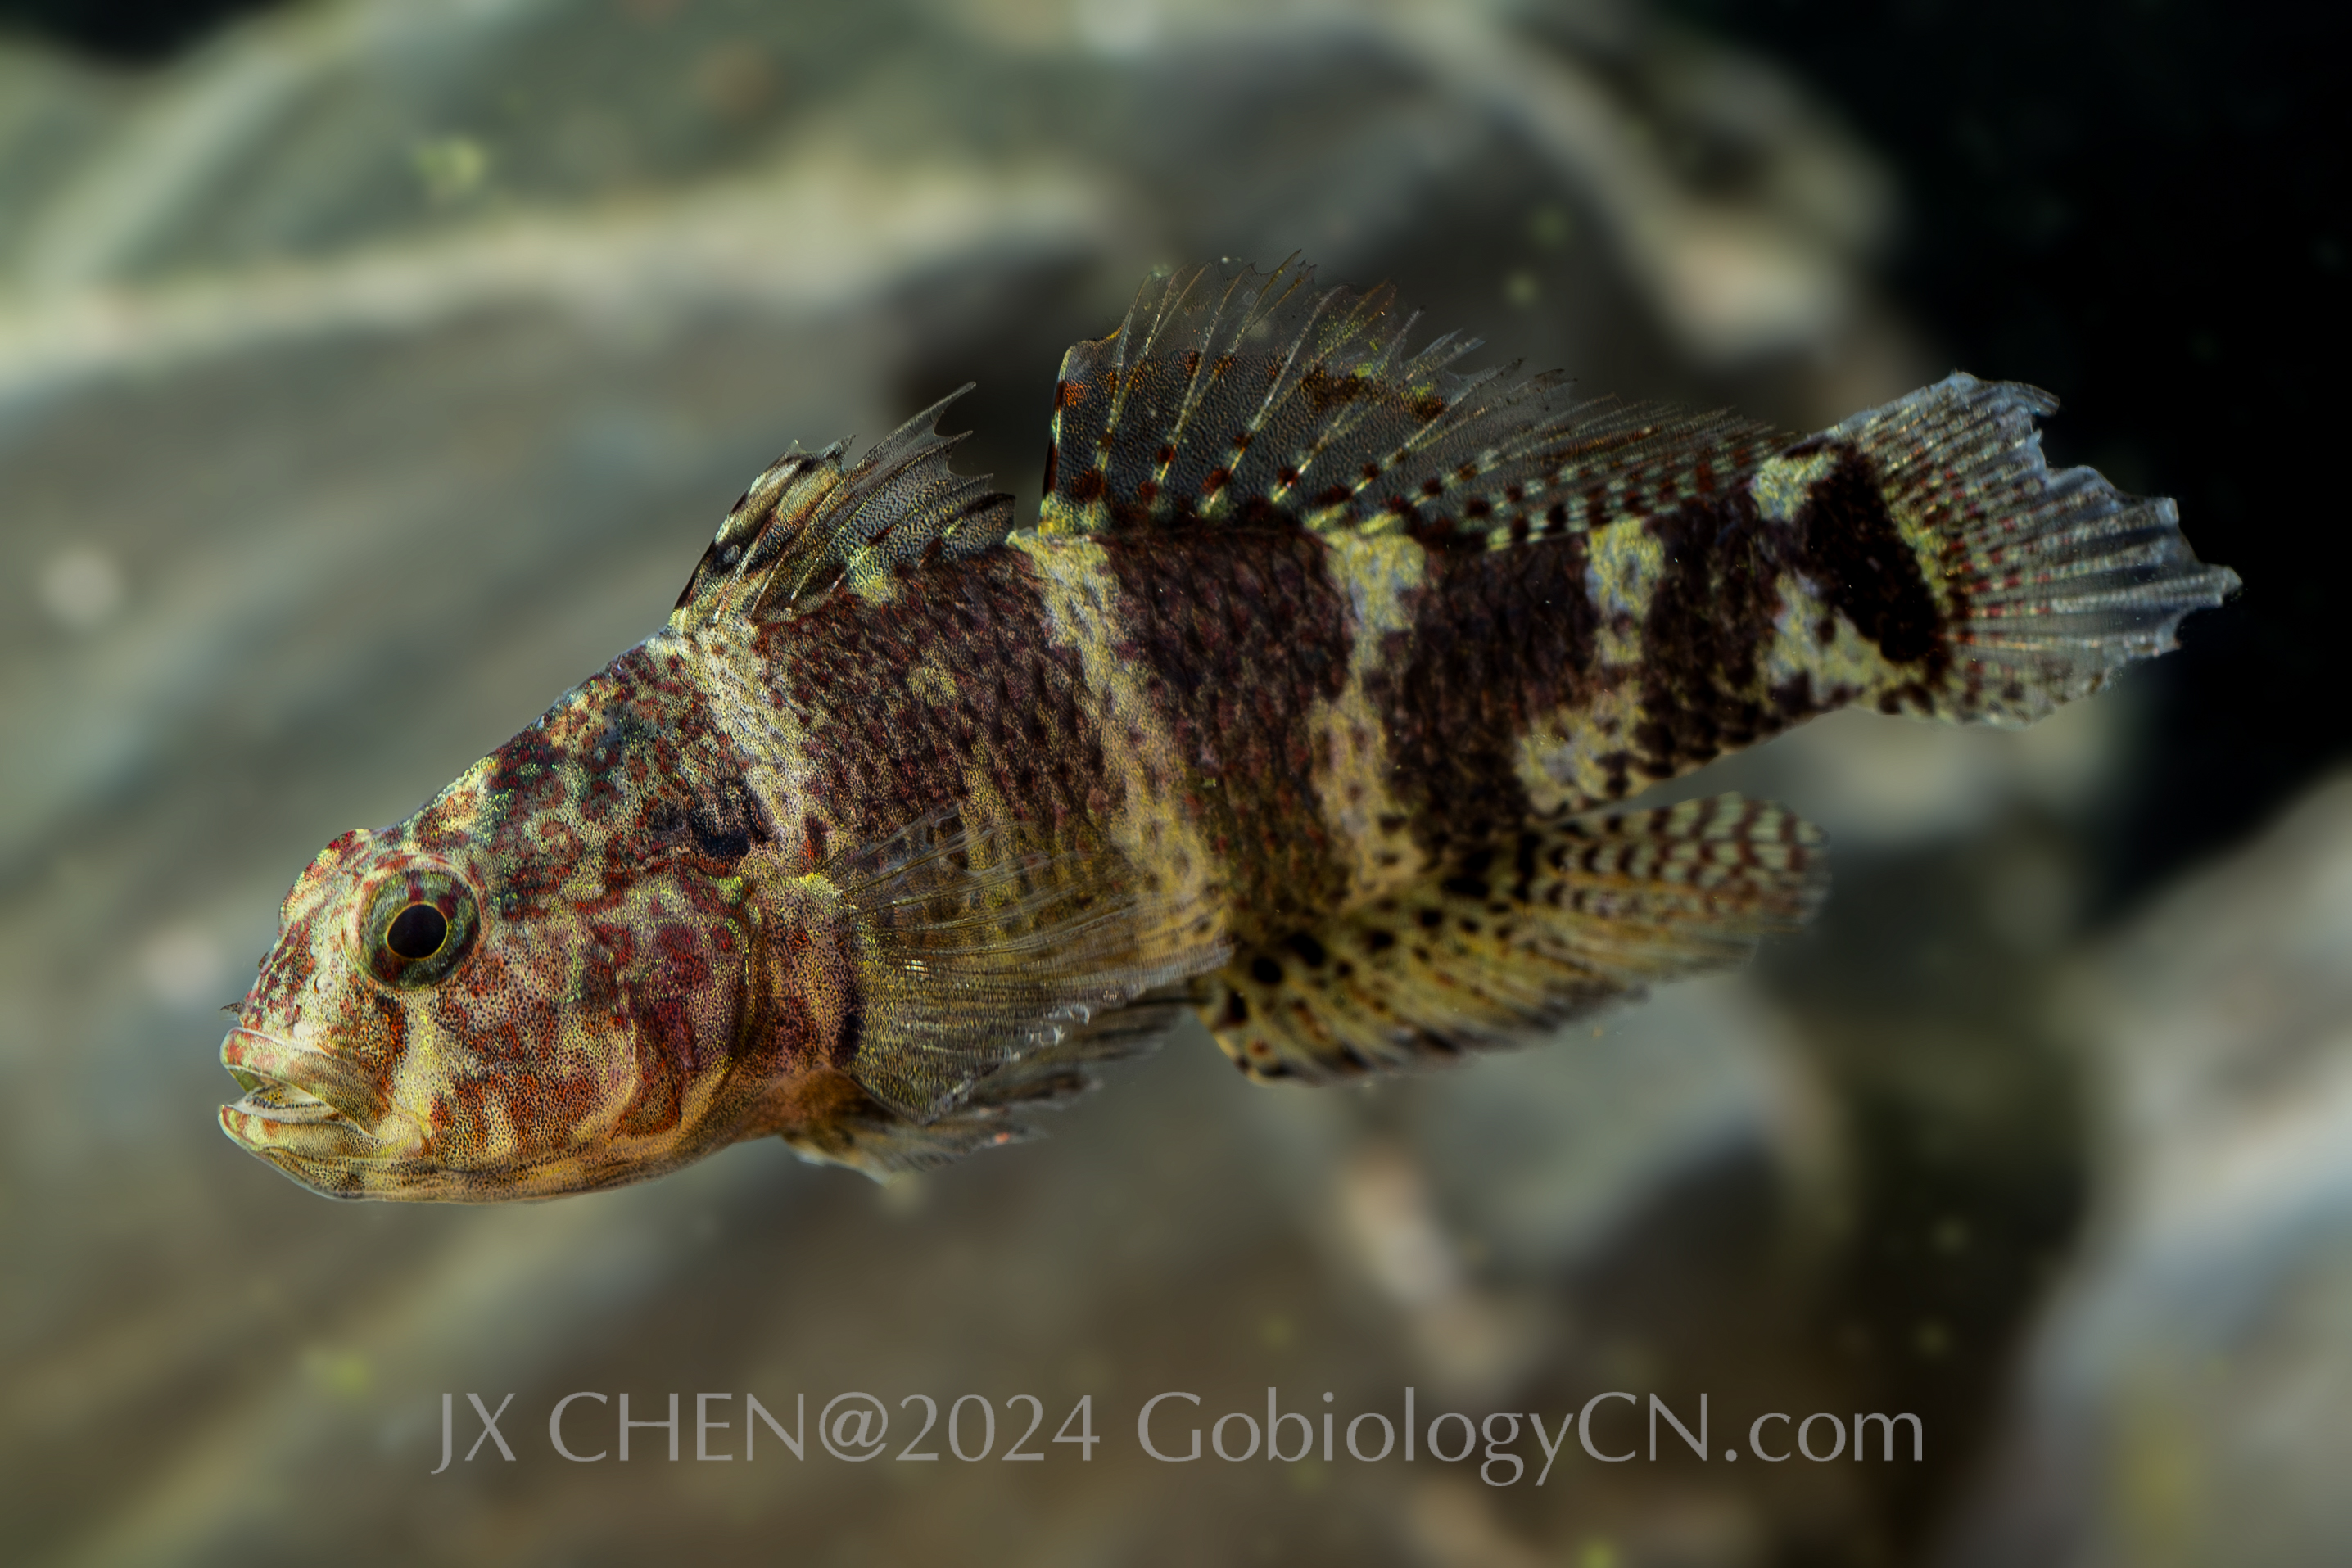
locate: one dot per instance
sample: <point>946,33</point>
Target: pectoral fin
<point>849,1127</point>
<point>960,956</point>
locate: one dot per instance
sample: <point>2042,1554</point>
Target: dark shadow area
<point>127,32</point>
<point>2126,203</point>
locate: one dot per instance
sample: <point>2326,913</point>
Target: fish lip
<point>289,1086</point>
<point>324,1153</point>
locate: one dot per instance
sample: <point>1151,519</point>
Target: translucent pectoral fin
<point>972,956</point>
<point>1498,945</point>
<point>857,1131</point>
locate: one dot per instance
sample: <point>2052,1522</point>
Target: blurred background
<point>372,371</point>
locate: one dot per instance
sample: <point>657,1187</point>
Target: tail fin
<point>2052,581</point>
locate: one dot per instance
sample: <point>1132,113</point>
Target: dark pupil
<point>416,932</point>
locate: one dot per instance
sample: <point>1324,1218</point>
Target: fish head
<point>539,984</point>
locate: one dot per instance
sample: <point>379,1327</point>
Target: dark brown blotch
<point>1709,619</point>
<point>1498,639</point>
<point>1325,391</point>
<point>727,818</point>
<point>1847,543</point>
<point>1244,636</point>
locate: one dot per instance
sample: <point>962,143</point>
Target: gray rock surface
<point>377,371</point>
<point>2190,1398</point>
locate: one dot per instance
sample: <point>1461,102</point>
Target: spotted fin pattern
<point>1315,691</point>
<point>813,521</point>
<point>1255,398</point>
<point>1497,945</point>
<point>2052,580</point>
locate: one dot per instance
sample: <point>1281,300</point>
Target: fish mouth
<point>301,1105</point>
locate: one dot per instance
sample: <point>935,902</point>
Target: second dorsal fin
<point>814,521</point>
<point>1255,398</point>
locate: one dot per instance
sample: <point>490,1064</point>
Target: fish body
<point>1308,702</point>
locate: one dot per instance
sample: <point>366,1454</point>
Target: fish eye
<point>416,933</point>
<point>419,927</point>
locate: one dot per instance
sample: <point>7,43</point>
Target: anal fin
<point>1496,946</point>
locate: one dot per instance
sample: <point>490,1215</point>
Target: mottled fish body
<point>1307,702</point>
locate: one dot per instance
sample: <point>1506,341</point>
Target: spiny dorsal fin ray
<point>971,956</point>
<point>813,521</point>
<point>1497,947</point>
<point>1254,399</point>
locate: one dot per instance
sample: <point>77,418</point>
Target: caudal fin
<point>2051,579</point>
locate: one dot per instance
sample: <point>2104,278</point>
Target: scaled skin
<point>1313,751</point>
<point>1269,726</point>
<point>605,1026</point>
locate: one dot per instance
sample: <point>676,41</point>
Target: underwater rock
<point>2190,1397</point>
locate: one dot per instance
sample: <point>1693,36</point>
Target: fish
<point>1314,703</point>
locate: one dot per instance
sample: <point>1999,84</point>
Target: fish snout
<point>300,1104</point>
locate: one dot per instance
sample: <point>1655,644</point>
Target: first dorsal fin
<point>1255,398</point>
<point>814,521</point>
